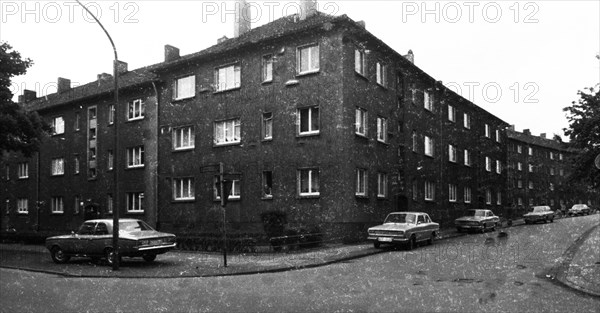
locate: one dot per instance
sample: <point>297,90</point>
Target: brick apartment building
<point>312,114</point>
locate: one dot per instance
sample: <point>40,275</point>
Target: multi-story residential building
<point>311,115</point>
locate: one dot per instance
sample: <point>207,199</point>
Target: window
<point>487,131</point>
<point>414,141</point>
<point>488,164</point>
<point>551,155</point>
<point>382,129</point>
<point>451,153</point>
<point>428,146</point>
<point>183,138</point>
<point>111,114</point>
<point>519,183</point>
<point>234,193</point>
<point>497,135</point>
<point>560,156</point>
<point>451,113</point>
<point>135,157</point>
<point>135,110</point>
<point>428,100</point>
<point>382,185</point>
<point>519,149</point>
<point>308,59</point>
<point>381,74</point>
<point>76,205</point>
<point>267,68</point>
<point>519,201</point>
<point>498,198</point>
<point>135,202</point>
<point>58,125</point>
<point>76,123</point>
<point>183,189</point>
<point>519,166</point>
<point>561,172</point>
<point>22,206</point>
<point>227,132</point>
<point>530,185</point>
<point>415,190</point>
<point>109,203</point>
<point>467,156</point>
<point>57,205</point>
<point>361,122</point>
<point>227,77</point>
<point>429,191</point>
<point>361,182</point>
<point>531,201</point>
<point>467,194</point>
<point>267,182</point>
<point>467,121</point>
<point>184,87</point>
<point>530,168</point>
<point>23,170</point>
<point>58,166</point>
<point>76,165</point>
<point>551,187</point>
<point>110,160</point>
<point>552,171</point>
<point>498,167</point>
<point>530,150</point>
<point>308,121</point>
<point>267,126</point>
<point>360,62</point>
<point>488,196</point>
<point>451,192</point>
<point>308,182</point>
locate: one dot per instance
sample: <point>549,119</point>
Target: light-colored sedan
<point>580,209</point>
<point>408,228</point>
<point>94,239</point>
<point>477,220</point>
<point>541,213</point>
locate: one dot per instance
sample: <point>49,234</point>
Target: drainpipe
<point>155,182</point>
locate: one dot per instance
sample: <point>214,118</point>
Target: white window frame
<point>58,125</point>
<point>498,167</point>
<point>361,122</point>
<point>488,164</point>
<point>234,193</point>
<point>135,110</point>
<point>519,166</point>
<point>58,166</point>
<point>135,202</point>
<point>488,196</point>
<point>110,164</point>
<point>111,114</point>
<point>497,135</point>
<point>428,100</point>
<point>382,185</point>
<point>228,77</point>
<point>135,157</point>
<point>360,62</point>
<point>76,165</point>
<point>313,182</point>
<point>467,158</point>
<point>499,198</point>
<point>227,132</point>
<point>23,170</point>
<point>488,132</point>
<point>452,154</point>
<point>267,191</point>
<point>452,192</point>
<point>519,183</point>
<point>451,113</point>
<point>466,121</point>
<point>530,168</point>
<point>267,68</point>
<point>519,149</point>
<point>313,54</point>
<point>530,184</point>
<point>183,189</point>
<point>310,130</point>
<point>57,205</point>
<point>76,204</point>
<point>22,205</point>
<point>560,156</point>
<point>467,194</point>
<point>519,201</point>
<point>382,129</point>
<point>361,182</point>
<point>109,203</point>
<point>530,151</point>
<point>415,141</point>
<point>429,146</point>
<point>429,191</point>
<point>267,126</point>
<point>184,87</point>
<point>179,138</point>
<point>381,74</point>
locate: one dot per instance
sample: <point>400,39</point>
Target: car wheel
<point>483,228</point>
<point>458,230</point>
<point>494,226</point>
<point>59,256</point>
<point>412,243</point>
<point>149,257</point>
<point>110,256</point>
<point>430,240</point>
<point>376,244</point>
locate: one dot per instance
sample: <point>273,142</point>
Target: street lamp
<point>115,238</point>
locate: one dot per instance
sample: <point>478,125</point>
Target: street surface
<point>473,273</point>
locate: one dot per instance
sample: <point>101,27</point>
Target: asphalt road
<point>474,273</point>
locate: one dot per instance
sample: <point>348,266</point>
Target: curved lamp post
<point>115,238</point>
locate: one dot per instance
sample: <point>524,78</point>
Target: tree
<point>584,134</point>
<point>20,130</point>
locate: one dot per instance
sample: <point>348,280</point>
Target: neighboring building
<point>312,115</point>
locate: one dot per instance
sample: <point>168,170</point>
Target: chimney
<point>171,53</point>
<point>220,40</point>
<point>362,24</point>
<point>527,132</point>
<point>543,135</point>
<point>241,24</point>
<point>63,85</point>
<point>410,56</point>
<point>308,8</point>
<point>121,67</point>
<point>27,96</point>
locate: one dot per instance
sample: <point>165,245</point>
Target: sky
<point>523,61</point>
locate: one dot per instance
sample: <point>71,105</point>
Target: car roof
<point>110,220</point>
<point>408,213</point>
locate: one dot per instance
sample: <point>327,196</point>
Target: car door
<point>421,227</point>
<point>83,238</point>
<point>99,240</point>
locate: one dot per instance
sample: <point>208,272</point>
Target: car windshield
<point>131,226</point>
<point>476,213</point>
<point>401,218</point>
<point>578,206</point>
<point>538,209</point>
<point>86,229</point>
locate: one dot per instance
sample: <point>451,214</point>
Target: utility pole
<point>223,203</point>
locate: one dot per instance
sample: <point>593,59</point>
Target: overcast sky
<point>522,61</point>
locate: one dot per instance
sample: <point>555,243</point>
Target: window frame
<point>362,185</point>
<point>177,138</point>
<point>429,146</point>
<point>488,164</point>
<point>466,120</point>
<point>23,170</point>
<point>267,68</point>
<point>57,205</point>
<point>227,85</point>
<point>310,132</point>
<point>136,157</point>
<point>360,62</point>
<point>429,191</point>
<point>176,90</point>
<point>428,100</point>
<point>135,110</point>
<point>267,190</point>
<point>267,126</point>
<point>361,119</point>
<point>381,70</point>
<point>314,189</point>
<point>57,166</point>
<point>451,113</point>
<point>311,57</point>
<point>137,199</point>
<point>467,194</point>
<point>382,129</point>
<point>184,189</point>
<point>22,209</point>
<point>382,185</point>
<point>235,127</point>
<point>467,158</point>
<point>53,123</point>
<point>452,193</point>
<point>452,153</point>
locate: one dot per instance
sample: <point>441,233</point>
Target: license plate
<point>385,239</point>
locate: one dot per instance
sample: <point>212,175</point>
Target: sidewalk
<point>581,267</point>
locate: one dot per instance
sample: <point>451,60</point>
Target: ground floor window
<point>429,191</point>
<point>22,206</point>
<point>183,189</point>
<point>57,205</point>
<point>308,182</point>
<point>135,202</point>
<point>382,185</point>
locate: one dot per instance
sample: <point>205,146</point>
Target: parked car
<point>407,228</point>
<point>477,220</point>
<point>541,213</point>
<point>94,239</point>
<point>580,209</point>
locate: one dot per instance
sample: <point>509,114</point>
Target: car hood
<point>61,237</point>
<point>470,219</point>
<point>392,226</point>
<point>144,234</point>
<point>535,213</point>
